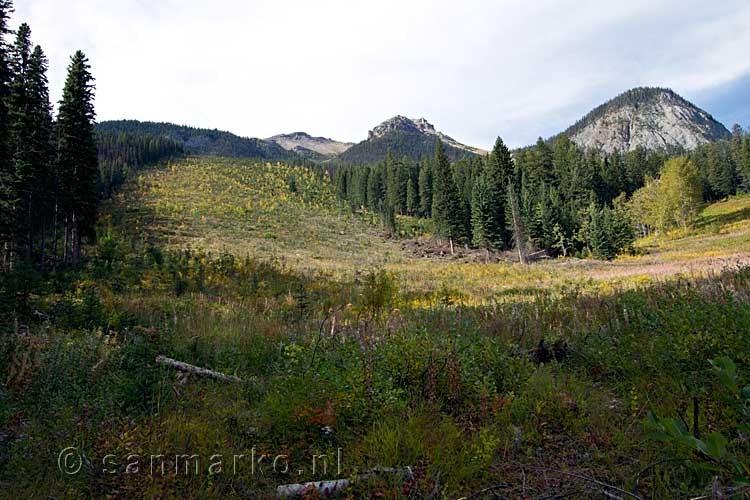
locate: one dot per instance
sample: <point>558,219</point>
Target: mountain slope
<point>303,143</point>
<point>205,142</point>
<point>654,118</point>
<point>404,137</point>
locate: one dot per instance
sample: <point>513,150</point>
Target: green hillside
<point>400,143</point>
<point>204,142</point>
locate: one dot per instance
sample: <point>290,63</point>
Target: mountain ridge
<point>205,142</point>
<point>302,142</point>
<point>651,117</point>
<point>402,136</point>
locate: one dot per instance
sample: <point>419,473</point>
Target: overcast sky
<point>475,69</point>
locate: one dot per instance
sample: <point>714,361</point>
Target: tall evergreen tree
<point>482,213</point>
<point>447,208</point>
<point>77,155</point>
<point>412,198</point>
<point>40,186</point>
<point>425,188</point>
<point>396,183</point>
<point>376,193</point>
<point>6,173</point>
<point>22,130</point>
<point>499,173</point>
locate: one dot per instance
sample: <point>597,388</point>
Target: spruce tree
<point>447,208</point>
<point>21,130</point>
<point>77,156</point>
<point>482,215</point>
<point>376,189</point>
<point>499,172</point>
<point>412,198</point>
<point>6,173</point>
<point>425,188</point>
<point>41,190</point>
<point>396,183</point>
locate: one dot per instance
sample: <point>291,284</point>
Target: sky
<point>518,69</point>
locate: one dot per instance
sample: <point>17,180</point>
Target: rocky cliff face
<point>301,142</point>
<point>649,117</point>
<point>419,126</point>
<point>404,137</point>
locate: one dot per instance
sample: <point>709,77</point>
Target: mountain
<point>205,142</point>
<point>307,145</point>
<point>655,118</point>
<point>404,137</point>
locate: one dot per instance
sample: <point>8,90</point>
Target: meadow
<point>567,378</point>
<point>290,216</point>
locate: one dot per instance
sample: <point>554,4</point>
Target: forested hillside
<point>570,201</point>
<point>204,142</point>
<point>400,143</point>
<point>122,153</point>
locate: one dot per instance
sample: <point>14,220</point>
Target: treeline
<point>566,200</point>
<point>121,153</point>
<point>724,166</point>
<point>48,169</point>
<point>205,142</point>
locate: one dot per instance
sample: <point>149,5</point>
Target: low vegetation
<point>471,374</point>
<point>201,327</point>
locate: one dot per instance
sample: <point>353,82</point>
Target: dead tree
<point>519,236</point>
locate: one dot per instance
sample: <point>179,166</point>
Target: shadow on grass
<point>723,219</point>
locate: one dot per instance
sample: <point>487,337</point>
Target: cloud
<point>476,69</point>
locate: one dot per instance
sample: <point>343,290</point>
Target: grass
<point>345,342</point>
<point>249,210</point>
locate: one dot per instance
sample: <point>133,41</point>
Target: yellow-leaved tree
<point>680,194</point>
<point>671,201</point>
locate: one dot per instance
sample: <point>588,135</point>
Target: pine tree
<point>21,129</point>
<point>425,188</point>
<point>395,183</point>
<point>6,173</point>
<point>412,198</point>
<point>499,173</point>
<point>376,193</point>
<point>341,183</point>
<point>42,189</point>
<point>447,209</point>
<point>598,235</point>
<point>482,215</point>
<point>77,156</point>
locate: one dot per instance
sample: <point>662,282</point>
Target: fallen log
<point>195,370</point>
<point>328,488</point>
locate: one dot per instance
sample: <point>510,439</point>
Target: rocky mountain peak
<point>653,118</point>
<point>419,126</point>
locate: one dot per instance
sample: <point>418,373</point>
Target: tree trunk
<point>54,234</point>
<point>518,232</point>
<point>42,249</point>
<point>195,370</point>
<point>66,237</point>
